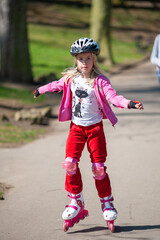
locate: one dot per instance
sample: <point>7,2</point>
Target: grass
<point>25,96</point>
<point>125,51</point>
<point>50,49</point>
<point>50,44</point>
<point>15,134</point>
<point>1,195</point>
<point>10,133</point>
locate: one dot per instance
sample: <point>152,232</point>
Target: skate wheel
<point>65,227</point>
<point>83,217</point>
<point>86,214</point>
<point>111,226</point>
<point>77,221</point>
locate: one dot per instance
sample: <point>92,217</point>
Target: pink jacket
<point>104,93</point>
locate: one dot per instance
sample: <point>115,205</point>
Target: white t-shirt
<point>86,109</point>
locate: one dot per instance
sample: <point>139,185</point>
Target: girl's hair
<point>72,73</point>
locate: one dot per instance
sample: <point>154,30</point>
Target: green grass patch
<point>125,51</point>
<point>1,195</point>
<point>50,49</point>
<point>25,96</point>
<point>15,134</point>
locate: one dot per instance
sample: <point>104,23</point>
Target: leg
<point>74,147</point>
<point>74,212</point>
<point>96,144</point>
<point>100,176</point>
<point>97,148</point>
<point>103,186</point>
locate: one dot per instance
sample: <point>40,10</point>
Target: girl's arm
<point>55,86</point>
<point>119,100</point>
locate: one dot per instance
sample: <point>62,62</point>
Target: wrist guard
<point>36,93</point>
<point>133,103</point>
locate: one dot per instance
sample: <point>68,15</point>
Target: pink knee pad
<point>98,171</point>
<point>70,165</point>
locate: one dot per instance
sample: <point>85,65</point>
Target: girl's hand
<point>36,93</point>
<point>136,104</point>
<point>139,106</point>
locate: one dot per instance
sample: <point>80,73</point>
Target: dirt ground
<point>9,108</point>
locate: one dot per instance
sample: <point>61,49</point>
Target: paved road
<point>32,209</point>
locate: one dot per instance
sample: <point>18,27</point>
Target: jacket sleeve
<point>52,86</point>
<point>155,56</point>
<point>112,97</point>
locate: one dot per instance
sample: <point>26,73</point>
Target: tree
<point>15,58</point>
<point>101,27</point>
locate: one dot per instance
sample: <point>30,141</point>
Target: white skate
<point>74,212</point>
<point>109,212</point>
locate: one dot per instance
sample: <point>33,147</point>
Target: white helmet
<point>84,45</point>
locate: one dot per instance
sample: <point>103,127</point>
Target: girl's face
<point>84,63</point>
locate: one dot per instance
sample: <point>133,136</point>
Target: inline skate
<point>74,212</point>
<point>109,212</point>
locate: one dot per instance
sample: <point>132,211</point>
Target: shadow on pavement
<point>140,90</point>
<point>118,229</point>
<point>133,228</point>
<point>92,229</point>
<point>137,114</point>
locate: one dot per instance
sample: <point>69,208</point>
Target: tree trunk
<point>15,58</point>
<point>101,27</point>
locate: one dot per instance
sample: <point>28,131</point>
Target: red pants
<point>96,145</point>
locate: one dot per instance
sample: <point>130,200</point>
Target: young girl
<point>86,92</point>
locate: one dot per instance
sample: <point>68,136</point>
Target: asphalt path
<point>32,209</point>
